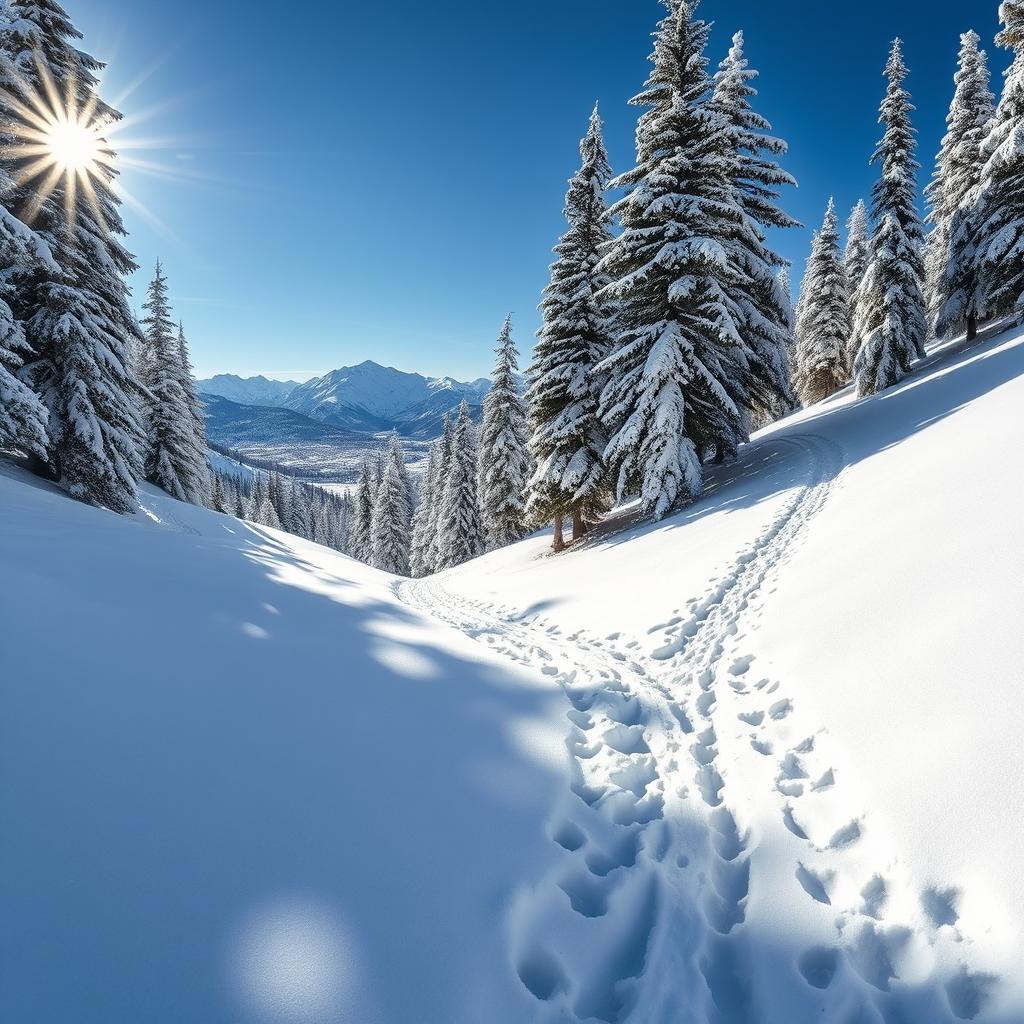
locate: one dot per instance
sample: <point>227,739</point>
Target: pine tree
<point>360,544</point>
<point>460,528</point>
<point>678,371</point>
<point>23,418</point>
<point>858,245</point>
<point>952,285</point>
<point>176,459</point>
<point>1000,204</point>
<point>504,463</point>
<point>821,366</point>
<point>421,545</point>
<point>891,327</point>
<point>442,467</point>
<point>567,437</point>
<point>756,177</point>
<point>392,514</point>
<point>77,318</point>
<point>197,421</point>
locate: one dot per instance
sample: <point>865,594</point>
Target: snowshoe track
<point>645,917</point>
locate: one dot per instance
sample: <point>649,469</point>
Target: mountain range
<point>368,398</point>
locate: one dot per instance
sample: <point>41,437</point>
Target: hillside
<point>759,762</point>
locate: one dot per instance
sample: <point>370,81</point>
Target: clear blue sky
<point>385,180</point>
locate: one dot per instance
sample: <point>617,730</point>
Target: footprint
<point>818,965</point>
<point>542,974</point>
<point>813,883</point>
<point>968,993</point>
<point>780,709</point>
<point>875,896</point>
<point>940,905</point>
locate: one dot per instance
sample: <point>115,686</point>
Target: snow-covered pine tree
<point>175,460</point>
<point>460,527</point>
<point>504,462</point>
<point>392,513</point>
<point>858,246</point>
<point>678,371</point>
<point>78,322</point>
<point>442,466</point>
<point>891,326</point>
<point>198,420</point>
<point>421,542</point>
<point>855,260</point>
<point>821,366</point>
<point>953,290</point>
<point>756,177</point>
<point>567,437</point>
<point>23,417</point>
<point>360,544</point>
<point>1000,209</point>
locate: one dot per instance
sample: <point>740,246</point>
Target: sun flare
<point>74,146</point>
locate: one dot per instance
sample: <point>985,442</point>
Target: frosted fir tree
<point>392,514</point>
<point>176,460</point>
<point>567,437</point>
<point>858,246</point>
<point>1000,231</point>
<point>820,359</point>
<point>756,177</point>
<point>891,327</point>
<point>23,418</point>
<point>442,465</point>
<point>460,525</point>
<point>678,371</point>
<point>78,321</point>
<point>198,420</point>
<point>953,287</point>
<point>360,543</point>
<point>421,544</point>
<point>504,462</point>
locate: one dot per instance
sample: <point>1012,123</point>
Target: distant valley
<point>327,426</point>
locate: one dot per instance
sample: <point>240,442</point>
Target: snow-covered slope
<point>757,764</point>
<point>247,390</point>
<point>241,782</point>
<point>795,721</point>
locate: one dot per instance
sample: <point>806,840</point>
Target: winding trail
<point>674,755</point>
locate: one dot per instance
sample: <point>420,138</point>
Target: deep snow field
<point>760,763</point>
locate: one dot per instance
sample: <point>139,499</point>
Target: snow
<point>852,587</point>
<point>757,762</point>
<point>242,782</point>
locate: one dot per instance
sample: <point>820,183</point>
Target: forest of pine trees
<point>668,330</point>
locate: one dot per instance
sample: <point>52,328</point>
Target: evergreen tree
<point>23,417</point>
<point>78,322</point>
<point>421,545</point>
<point>442,466</point>
<point>952,284</point>
<point>567,437</point>
<point>504,463</point>
<point>858,246</point>
<point>756,177</point>
<point>360,543</point>
<point>1000,206</point>
<point>678,370</point>
<point>392,514</point>
<point>460,529</point>
<point>890,329</point>
<point>176,460</point>
<point>197,421</point>
<point>821,366</point>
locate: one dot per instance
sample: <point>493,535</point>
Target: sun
<point>74,146</point>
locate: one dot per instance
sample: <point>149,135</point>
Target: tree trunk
<point>972,327</point>
<point>559,543</point>
<point>579,528</point>
<point>719,456</point>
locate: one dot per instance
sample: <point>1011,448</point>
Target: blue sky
<point>348,181</point>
